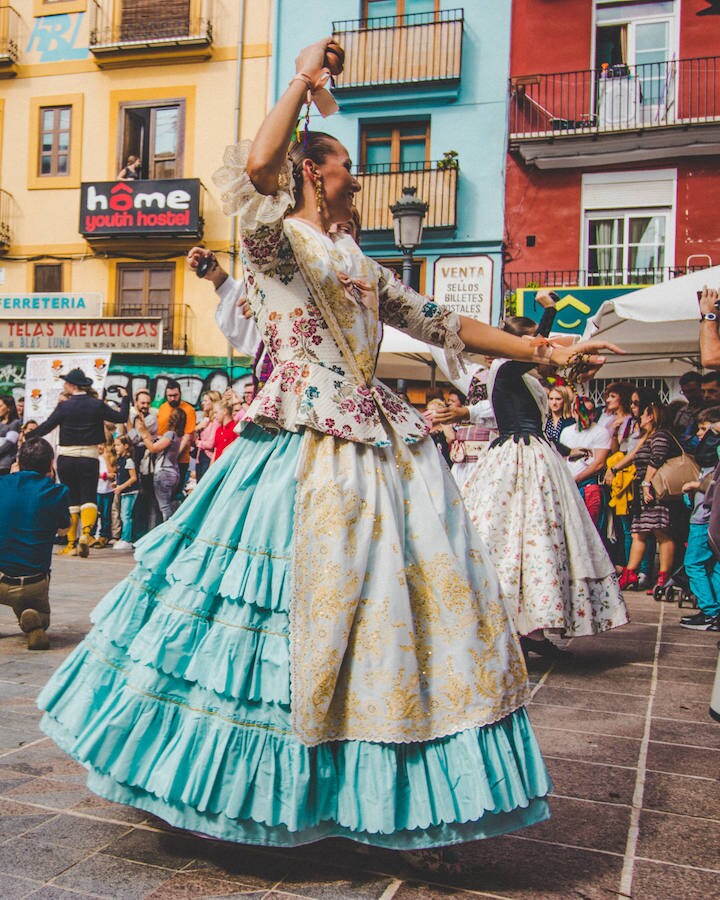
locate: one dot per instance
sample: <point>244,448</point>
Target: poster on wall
<point>464,283</point>
<point>44,376</point>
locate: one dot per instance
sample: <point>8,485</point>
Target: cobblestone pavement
<point>624,726</point>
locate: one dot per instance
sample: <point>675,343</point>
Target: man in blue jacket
<point>33,508</point>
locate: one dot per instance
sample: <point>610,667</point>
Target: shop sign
<point>164,207</point>
<point>79,335</point>
<point>575,306</point>
<point>464,283</point>
<point>50,306</point>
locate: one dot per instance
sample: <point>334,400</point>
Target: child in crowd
<point>225,433</point>
<point>126,487</point>
<point>701,567</point>
<point>106,476</point>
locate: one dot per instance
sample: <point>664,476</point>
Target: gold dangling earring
<point>319,194</point>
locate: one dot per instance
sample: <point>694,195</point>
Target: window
<point>147,290</point>
<point>47,278</point>
<point>56,140</point>
<point>373,9</point>
<point>404,146</point>
<point>140,20</point>
<point>641,35</point>
<point>155,133</point>
<point>629,226</point>
<point>626,248</point>
<point>54,153</point>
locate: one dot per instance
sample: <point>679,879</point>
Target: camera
<point>205,265</point>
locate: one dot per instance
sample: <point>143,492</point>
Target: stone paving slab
<point>624,726</point>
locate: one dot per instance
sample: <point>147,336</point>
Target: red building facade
<point>614,132</point>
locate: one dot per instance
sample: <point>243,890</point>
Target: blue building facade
<point>423,102</point>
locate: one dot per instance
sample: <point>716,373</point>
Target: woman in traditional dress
<point>553,569</point>
<point>313,645</point>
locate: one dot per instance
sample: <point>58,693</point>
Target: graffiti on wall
<point>55,38</point>
<point>193,385</point>
<point>194,381</point>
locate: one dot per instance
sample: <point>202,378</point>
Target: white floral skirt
<point>553,568</point>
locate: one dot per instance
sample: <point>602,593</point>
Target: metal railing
<point>9,34</point>
<point>420,47</point>
<point>616,98</point>
<point>513,281</point>
<point>174,318</point>
<point>142,23</point>
<point>382,185</point>
<point>6,206</point>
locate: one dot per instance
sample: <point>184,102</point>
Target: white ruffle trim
<point>240,196</point>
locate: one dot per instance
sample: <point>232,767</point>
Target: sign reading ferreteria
<point>164,207</point>
<point>79,335</point>
<point>464,283</point>
<point>575,306</point>
<point>51,306</point>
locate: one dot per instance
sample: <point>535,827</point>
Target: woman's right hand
<point>312,60</point>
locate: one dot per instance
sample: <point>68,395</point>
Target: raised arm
<point>269,148</point>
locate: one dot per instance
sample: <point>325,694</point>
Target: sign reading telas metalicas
<point>78,335</point>
<point>166,207</point>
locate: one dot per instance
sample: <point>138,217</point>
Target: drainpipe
<point>234,231</point>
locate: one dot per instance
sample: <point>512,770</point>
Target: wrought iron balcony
<point>382,184</point>
<point>638,277</point>
<point>6,206</point>
<point>140,27</point>
<point>411,49</point>
<point>9,39</point>
<point>680,93</point>
<point>174,317</point>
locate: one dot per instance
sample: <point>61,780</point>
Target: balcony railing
<point>382,185</point>
<point>174,318</point>
<point>9,34</point>
<point>421,47</point>
<point>616,98</point>
<point>140,24</point>
<point>513,281</point>
<point>6,205</point>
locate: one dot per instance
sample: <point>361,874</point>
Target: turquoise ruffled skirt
<point>178,701</point>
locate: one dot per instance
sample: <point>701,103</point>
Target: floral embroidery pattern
<point>414,649</point>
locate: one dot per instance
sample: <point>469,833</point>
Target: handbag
<point>667,482</point>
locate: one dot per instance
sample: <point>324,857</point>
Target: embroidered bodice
<point>318,301</point>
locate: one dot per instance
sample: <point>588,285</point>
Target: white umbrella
<point>657,326</point>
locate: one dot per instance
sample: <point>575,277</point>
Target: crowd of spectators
<point>146,463</point>
<point>614,452</point>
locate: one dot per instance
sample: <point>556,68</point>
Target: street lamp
<point>408,213</point>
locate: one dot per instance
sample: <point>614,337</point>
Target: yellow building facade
<point>84,84</point>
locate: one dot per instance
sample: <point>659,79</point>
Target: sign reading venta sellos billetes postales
<point>464,283</point>
<point>163,207</point>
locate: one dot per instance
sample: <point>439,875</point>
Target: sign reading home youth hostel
<point>79,335</point>
<point>51,306</point>
<point>575,307</point>
<point>464,283</point>
<point>116,208</point>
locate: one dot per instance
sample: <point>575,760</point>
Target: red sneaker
<point>628,580</point>
<point>660,583</point>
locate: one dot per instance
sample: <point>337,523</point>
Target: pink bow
<point>357,290</point>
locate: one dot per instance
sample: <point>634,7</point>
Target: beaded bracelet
<point>577,364</point>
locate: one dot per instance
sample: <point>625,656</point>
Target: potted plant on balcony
<point>448,161</point>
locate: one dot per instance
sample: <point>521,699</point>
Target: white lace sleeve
<point>404,308</point>
<point>240,197</point>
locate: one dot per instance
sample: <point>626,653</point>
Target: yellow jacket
<point>621,490</point>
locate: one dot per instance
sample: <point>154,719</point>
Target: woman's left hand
<point>647,495</point>
<point>560,355</point>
